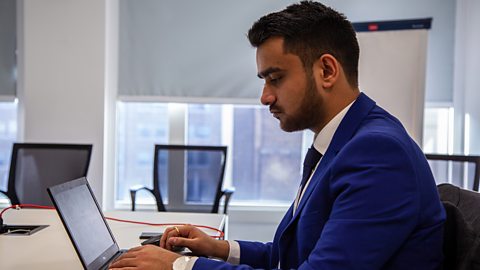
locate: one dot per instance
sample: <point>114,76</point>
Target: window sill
<point>238,214</point>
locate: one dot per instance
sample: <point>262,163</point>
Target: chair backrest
<point>36,166</point>
<point>190,177</point>
<point>462,228</point>
<point>463,171</point>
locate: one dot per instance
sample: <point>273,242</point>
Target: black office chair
<point>36,166</point>
<point>190,178</point>
<point>461,241</point>
<point>456,169</point>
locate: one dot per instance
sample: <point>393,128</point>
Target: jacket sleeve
<point>253,255</point>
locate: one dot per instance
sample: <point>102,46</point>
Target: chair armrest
<point>228,192</point>
<point>133,193</point>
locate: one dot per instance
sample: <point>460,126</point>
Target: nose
<point>267,98</point>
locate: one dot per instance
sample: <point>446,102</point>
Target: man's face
<point>291,94</point>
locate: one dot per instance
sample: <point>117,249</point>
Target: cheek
<point>295,100</point>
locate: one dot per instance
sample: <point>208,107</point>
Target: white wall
<point>61,69</point>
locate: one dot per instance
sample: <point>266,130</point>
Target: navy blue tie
<point>311,160</point>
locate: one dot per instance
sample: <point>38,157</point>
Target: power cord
<point>3,227</point>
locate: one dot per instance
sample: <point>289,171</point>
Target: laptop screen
<point>84,222</point>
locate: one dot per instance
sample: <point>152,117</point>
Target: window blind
<point>193,49</point>
<point>7,48</point>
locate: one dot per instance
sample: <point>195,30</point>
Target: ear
<point>326,70</point>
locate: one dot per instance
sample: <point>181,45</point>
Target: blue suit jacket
<point>371,204</point>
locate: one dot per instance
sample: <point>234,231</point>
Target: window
<point>266,160</point>
<point>8,135</point>
<point>263,163</point>
<point>139,127</point>
<point>438,130</point>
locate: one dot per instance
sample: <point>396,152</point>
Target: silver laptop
<point>85,224</point>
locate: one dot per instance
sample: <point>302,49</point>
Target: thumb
<point>180,242</point>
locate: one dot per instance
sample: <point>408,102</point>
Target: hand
<point>146,257</point>
<point>196,240</point>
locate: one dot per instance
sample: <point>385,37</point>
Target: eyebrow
<point>268,71</point>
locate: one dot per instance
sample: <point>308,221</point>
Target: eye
<point>274,79</point>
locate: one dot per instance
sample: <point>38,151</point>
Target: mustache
<point>274,108</point>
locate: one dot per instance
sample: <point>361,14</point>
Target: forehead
<point>271,55</point>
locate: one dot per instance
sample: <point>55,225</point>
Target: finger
<point>173,232</point>
<point>134,249</point>
<point>164,238</point>
<point>180,242</point>
<point>183,230</point>
<point>125,255</point>
<point>191,231</point>
<point>131,253</point>
<point>126,262</point>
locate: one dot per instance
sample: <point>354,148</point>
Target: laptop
<point>85,224</point>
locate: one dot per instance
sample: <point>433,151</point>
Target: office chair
<point>461,238</point>
<point>189,178</point>
<point>456,169</point>
<point>36,166</point>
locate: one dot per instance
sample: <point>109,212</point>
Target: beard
<point>308,114</point>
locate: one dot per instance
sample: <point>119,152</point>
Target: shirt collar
<point>322,140</point>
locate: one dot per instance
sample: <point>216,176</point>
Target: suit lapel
<point>350,123</point>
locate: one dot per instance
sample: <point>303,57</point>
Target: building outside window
<point>8,135</point>
<point>139,127</point>
<point>438,130</point>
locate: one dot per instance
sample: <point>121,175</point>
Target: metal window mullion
<point>176,176</point>
<point>177,121</point>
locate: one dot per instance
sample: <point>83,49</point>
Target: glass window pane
<point>204,124</point>
<point>266,160</point>
<point>436,130</point>
<point>8,135</point>
<point>204,128</point>
<point>204,168</point>
<point>140,126</point>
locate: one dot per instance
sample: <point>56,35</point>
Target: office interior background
<point>66,81</point>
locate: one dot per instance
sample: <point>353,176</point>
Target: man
<point>367,201</point>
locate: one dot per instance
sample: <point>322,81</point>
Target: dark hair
<point>311,29</point>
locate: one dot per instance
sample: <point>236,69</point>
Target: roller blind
<point>193,49</point>
<point>198,49</point>
<point>7,48</point>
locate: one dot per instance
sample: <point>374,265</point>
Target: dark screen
<point>85,222</point>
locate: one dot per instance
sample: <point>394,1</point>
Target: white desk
<point>50,248</point>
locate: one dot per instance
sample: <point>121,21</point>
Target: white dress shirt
<point>321,142</point>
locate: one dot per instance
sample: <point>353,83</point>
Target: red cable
<point>20,206</point>
<point>169,224</point>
